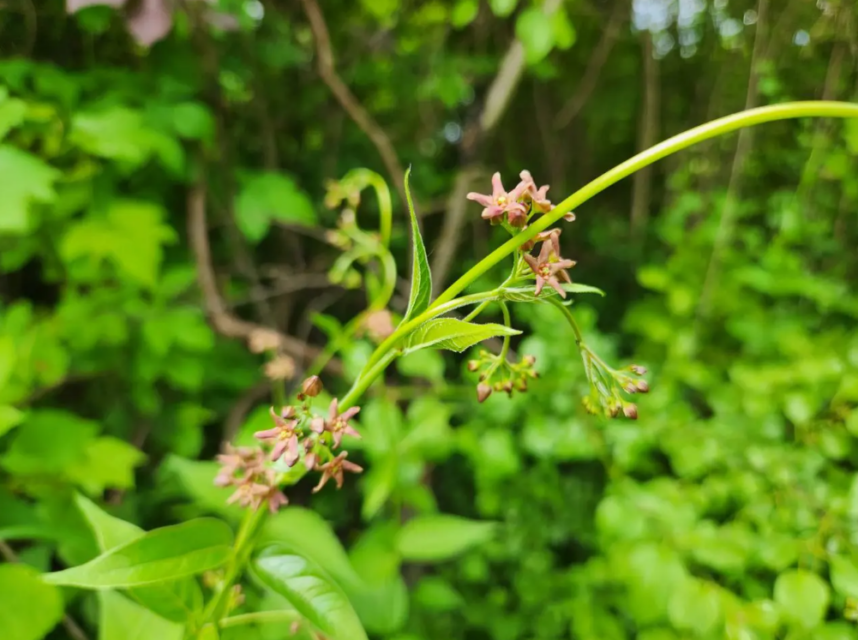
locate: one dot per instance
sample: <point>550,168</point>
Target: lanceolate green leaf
<point>121,619</point>
<point>527,294</point>
<point>311,591</point>
<point>453,334</point>
<point>175,600</point>
<point>161,555</point>
<point>421,277</point>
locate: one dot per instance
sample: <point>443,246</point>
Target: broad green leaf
<point>844,576</point>
<point>535,31</point>
<point>49,442</point>
<point>435,538</point>
<point>383,602</point>
<point>158,556</point>
<point>193,120</point>
<point>502,8</point>
<point>455,335</point>
<point>195,479</point>
<point>8,359</point>
<point>12,113</point>
<point>426,364</point>
<point>436,594</point>
<point>267,197</point>
<point>464,12</point>
<point>171,600</point>
<point>10,417</point>
<point>29,608</point>
<point>527,294</point>
<point>117,133</point>
<point>311,591</point>
<point>421,276</point>
<point>803,597</point>
<point>122,619</point>
<point>24,180</point>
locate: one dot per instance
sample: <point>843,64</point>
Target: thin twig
<point>363,119</point>
<point>647,137</point>
<point>69,624</point>
<point>594,67</point>
<point>224,322</point>
<point>743,147</point>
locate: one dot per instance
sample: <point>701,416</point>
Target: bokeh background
<point>163,167</point>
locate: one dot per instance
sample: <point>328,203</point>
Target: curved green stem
<point>786,111</point>
<point>508,322</point>
<point>751,117</point>
<point>364,177</point>
<point>284,616</point>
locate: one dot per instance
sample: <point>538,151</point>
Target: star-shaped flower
<point>334,469</point>
<point>547,267</point>
<point>337,423</point>
<point>501,202</point>
<point>283,436</point>
<point>538,196</point>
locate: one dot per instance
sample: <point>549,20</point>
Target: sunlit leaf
<point>803,597</point>
<point>24,180</point>
<point>528,294</point>
<point>122,619</point>
<point>29,608</point>
<point>269,197</point>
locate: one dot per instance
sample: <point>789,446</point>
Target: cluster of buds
<point>297,434</point>
<point>498,374</point>
<point>608,386</point>
<point>214,580</point>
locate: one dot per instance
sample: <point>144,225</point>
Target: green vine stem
<point>751,117</point>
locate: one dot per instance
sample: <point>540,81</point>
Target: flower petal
<point>497,187</point>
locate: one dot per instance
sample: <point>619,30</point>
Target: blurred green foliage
<point>727,511</point>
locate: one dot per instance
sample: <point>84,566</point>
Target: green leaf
<point>171,600</point>
<point>12,113</point>
<point>9,357</point>
<point>161,555</point>
<point>426,364</point>
<point>535,31</point>
<point>24,180</point>
<point>421,276</point>
<point>455,335</point>
<point>131,234</point>
<point>435,538</point>
<point>844,576</point>
<point>464,13</point>
<point>803,597</point>
<point>10,417</point>
<point>378,485</point>
<point>563,30</point>
<point>502,8</point>
<point>267,197</point>
<point>122,619</point>
<point>311,591</point>
<point>695,606</point>
<point>49,442</point>
<point>527,294</point>
<point>193,120</point>
<point>29,608</point>
<point>107,462</point>
<point>117,133</point>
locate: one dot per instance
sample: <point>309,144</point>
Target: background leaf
<point>30,608</point>
<point>435,538</point>
<point>803,597</point>
<point>267,197</point>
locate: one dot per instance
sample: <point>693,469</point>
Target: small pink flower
<point>501,202</point>
<point>547,270</point>
<point>538,197</point>
<point>276,499</point>
<point>334,469</point>
<point>283,436</point>
<point>337,423</point>
<point>250,494</point>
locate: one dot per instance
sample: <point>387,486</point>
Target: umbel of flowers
<point>297,435</point>
<point>515,210</point>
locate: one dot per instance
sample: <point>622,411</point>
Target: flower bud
<point>529,360</point>
<point>521,384</point>
<point>483,391</point>
<point>630,387</point>
<point>642,386</point>
<point>630,411</point>
<point>641,371</point>
<point>312,386</point>
<point>473,365</point>
<point>507,386</point>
